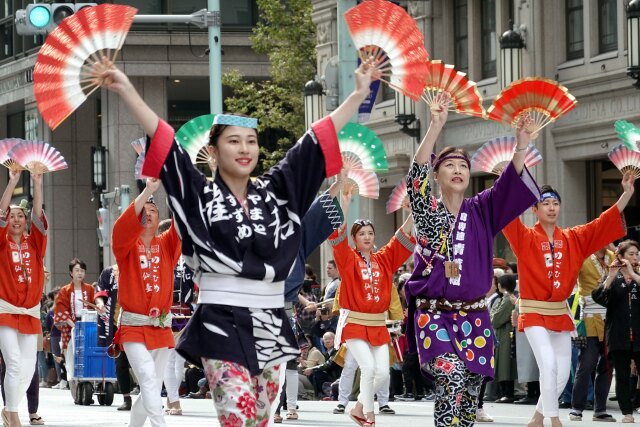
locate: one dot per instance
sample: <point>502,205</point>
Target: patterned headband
<point>549,195</point>
<point>231,120</point>
<point>451,156</point>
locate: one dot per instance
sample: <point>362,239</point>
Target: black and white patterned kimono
<point>240,260</point>
<point>107,287</point>
<point>183,295</point>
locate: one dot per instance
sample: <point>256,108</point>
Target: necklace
<point>429,267</point>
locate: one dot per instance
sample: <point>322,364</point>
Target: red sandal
<point>358,420</point>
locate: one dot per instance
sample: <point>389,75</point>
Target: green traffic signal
<point>40,16</point>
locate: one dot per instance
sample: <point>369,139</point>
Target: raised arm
<point>14,178</point>
<point>438,119</point>
<point>523,139</point>
<point>152,185</point>
<point>628,180</point>
<point>364,74</point>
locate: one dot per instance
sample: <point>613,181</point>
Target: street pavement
<point>58,410</point>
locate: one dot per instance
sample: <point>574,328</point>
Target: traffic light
<point>42,18</point>
<point>104,227</point>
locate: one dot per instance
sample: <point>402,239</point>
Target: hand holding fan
<point>6,145</point>
<point>626,160</point>
<point>386,32</point>
<point>463,98</point>
<point>63,76</point>
<point>544,100</point>
<point>37,157</point>
<point>495,155</point>
<point>365,182</point>
<point>629,134</point>
<point>399,197</point>
<point>364,144</point>
<point>193,136</point>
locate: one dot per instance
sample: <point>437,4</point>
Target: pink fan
<point>496,154</point>
<point>37,157</point>
<point>399,197</point>
<point>626,160</point>
<point>366,182</point>
<point>5,146</point>
<point>351,161</point>
<point>139,145</point>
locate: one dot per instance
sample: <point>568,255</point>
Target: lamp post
<point>98,169</point>
<point>406,115</point>
<point>313,110</point>
<point>511,45</point>
<point>633,34</point>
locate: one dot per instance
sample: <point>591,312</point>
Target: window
<point>238,14</point>
<point>6,41</point>
<point>489,40</point>
<point>607,26</point>
<point>460,36</point>
<point>575,29</point>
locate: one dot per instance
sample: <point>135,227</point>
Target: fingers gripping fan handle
<point>61,76</point>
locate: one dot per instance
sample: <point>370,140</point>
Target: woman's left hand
<point>365,74</point>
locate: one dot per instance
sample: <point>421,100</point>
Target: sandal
<point>291,415</point>
<point>358,420</point>
<point>277,419</point>
<point>5,418</point>
<point>368,423</point>
<point>36,421</point>
<point>175,411</point>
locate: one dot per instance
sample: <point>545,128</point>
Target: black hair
<point>75,262</point>
<point>549,189</point>
<point>508,282</point>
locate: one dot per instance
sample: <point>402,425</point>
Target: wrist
<point>518,149</point>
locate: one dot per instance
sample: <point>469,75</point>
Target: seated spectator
<point>329,371</point>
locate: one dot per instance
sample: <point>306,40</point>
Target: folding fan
<point>37,157</point>
<point>543,100</point>
<point>366,182</point>
<point>139,145</point>
<point>625,160</point>
<point>399,197</point>
<point>5,147</point>
<point>495,155</point>
<point>465,98</point>
<point>629,134</point>
<point>351,161</point>
<point>193,136</point>
<point>62,77</point>
<point>364,143</point>
<point>385,31</point>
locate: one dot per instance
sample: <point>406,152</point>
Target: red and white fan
<point>6,145</point>
<point>399,197</point>
<point>351,160</point>
<point>37,157</point>
<point>542,100</point>
<point>366,182</point>
<point>62,77</point>
<point>495,155</point>
<point>385,31</point>
<point>625,160</point>
<point>464,94</point>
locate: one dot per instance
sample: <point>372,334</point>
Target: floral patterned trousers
<point>239,401</point>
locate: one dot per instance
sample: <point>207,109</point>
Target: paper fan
<point>5,147</point>
<point>495,155</point>
<point>366,182</point>
<point>37,157</point>
<point>629,134</point>
<point>139,145</point>
<point>465,98</point>
<point>351,161</point>
<point>399,197</point>
<point>61,76</point>
<point>385,31</point>
<point>542,99</point>
<point>364,143</point>
<point>193,136</point>
<point>625,160</point>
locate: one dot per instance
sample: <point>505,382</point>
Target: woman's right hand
<point>106,74</point>
<point>440,111</point>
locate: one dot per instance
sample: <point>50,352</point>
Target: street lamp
<point>406,115</point>
<point>313,110</point>
<point>511,45</point>
<point>98,169</point>
<point>633,33</point>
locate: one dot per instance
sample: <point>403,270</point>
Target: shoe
<point>418,397</point>
<point>405,397</point>
<point>604,417</point>
<point>505,399</point>
<point>175,411</point>
<point>429,397</point>
<point>565,405</point>
<point>385,409</point>
<point>62,385</point>
<point>196,395</point>
<point>36,420</point>
<point>43,384</point>
<point>277,419</point>
<point>126,405</point>
<point>575,416</point>
<point>628,419</point>
<point>526,401</point>
<point>482,416</point>
<point>291,414</point>
<point>135,391</point>
<point>339,409</point>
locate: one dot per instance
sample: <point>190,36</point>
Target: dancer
<point>365,296</point>
<point>448,316</point>
<point>619,294</point>
<point>146,264</point>
<point>241,239</point>
<point>549,260</point>
<point>21,286</point>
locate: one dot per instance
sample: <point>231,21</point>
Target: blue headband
<point>549,195</point>
<point>231,120</point>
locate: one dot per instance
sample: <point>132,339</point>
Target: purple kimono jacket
<point>469,242</point>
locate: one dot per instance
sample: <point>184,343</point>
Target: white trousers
<point>374,369</point>
<point>148,366</point>
<point>291,376</point>
<point>552,351</point>
<point>20,353</point>
<point>173,375</point>
<point>345,386</point>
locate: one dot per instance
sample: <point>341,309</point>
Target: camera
<point>324,311</point>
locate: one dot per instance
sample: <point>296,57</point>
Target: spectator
<point>501,321</point>
<point>332,286</point>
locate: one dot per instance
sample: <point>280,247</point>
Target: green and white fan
<point>193,136</point>
<point>365,144</point>
<point>629,134</point>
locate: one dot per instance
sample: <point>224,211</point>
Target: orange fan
<point>385,31</point>
<point>62,77</point>
<point>543,100</point>
<point>465,98</point>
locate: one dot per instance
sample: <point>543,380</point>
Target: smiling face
<point>364,238</point>
<point>236,152</point>
<point>452,175</point>
<point>17,222</point>
<point>547,211</point>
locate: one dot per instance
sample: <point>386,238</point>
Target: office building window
<point>461,36</point>
<point>575,29</point>
<point>489,40</point>
<point>607,25</point>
